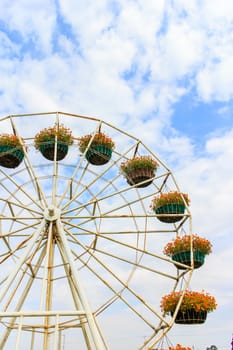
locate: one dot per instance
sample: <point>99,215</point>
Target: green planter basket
<point>47,149</point>
<point>185,258</point>
<point>136,177</point>
<point>98,155</point>
<point>190,317</point>
<point>170,208</point>
<point>10,157</point>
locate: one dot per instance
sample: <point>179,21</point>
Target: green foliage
<point>10,140</point>
<point>99,139</point>
<point>174,197</point>
<point>198,301</point>
<point>183,244</point>
<point>62,133</point>
<point>140,162</point>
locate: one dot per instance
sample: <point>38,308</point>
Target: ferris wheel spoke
<point>84,170</point>
<point>29,168</point>
<point>84,220</point>
<point>20,188</point>
<point>35,181</point>
<point>11,252</point>
<point>69,188</point>
<point>17,202</point>
<point>18,232</point>
<point>95,200</point>
<point>12,204</point>
<point>77,194</point>
<point>17,220</point>
<point>70,184</point>
<point>110,196</point>
<point>135,262</point>
<point>55,164</point>
<point>85,231</point>
<point>119,294</point>
<point>100,262</point>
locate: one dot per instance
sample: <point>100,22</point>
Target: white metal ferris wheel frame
<point>47,216</point>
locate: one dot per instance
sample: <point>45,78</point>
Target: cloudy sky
<point>161,70</point>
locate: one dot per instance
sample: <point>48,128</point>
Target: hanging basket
<point>190,316</point>
<point>48,150</point>
<point>170,208</point>
<point>140,177</point>
<point>10,157</point>
<point>185,258</point>
<point>98,155</point>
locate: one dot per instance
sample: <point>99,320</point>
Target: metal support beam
<point>97,337</point>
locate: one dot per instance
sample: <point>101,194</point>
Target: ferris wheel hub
<point>52,213</point>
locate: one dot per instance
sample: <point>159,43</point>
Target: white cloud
<point>215,81</point>
<point>91,23</point>
<point>213,12</point>
<point>180,51</point>
<point>33,22</point>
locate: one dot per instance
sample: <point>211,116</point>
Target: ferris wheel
<point>81,248</point>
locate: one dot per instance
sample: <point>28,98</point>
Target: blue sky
<point>159,69</point>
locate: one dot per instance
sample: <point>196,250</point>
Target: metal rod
<point>49,273</point>
<point>56,334</point>
<point>32,340</point>
<point>19,333</point>
<point>42,313</point>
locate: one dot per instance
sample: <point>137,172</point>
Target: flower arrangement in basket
<point>166,205</point>
<point>139,171</point>
<point>193,308</point>
<point>179,347</point>
<point>45,141</point>
<point>97,148</point>
<point>180,250</point>
<point>11,151</point>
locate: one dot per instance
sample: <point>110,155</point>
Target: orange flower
<point>179,347</point>
<point>183,244</point>
<point>48,135</point>
<point>170,197</point>
<point>10,140</point>
<point>99,139</point>
<point>138,163</point>
<point>199,301</point>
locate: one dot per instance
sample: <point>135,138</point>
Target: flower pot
<point>10,157</point>
<point>170,208</point>
<point>190,316</point>
<point>136,176</point>
<point>98,155</point>
<point>48,149</point>
<point>185,258</point>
